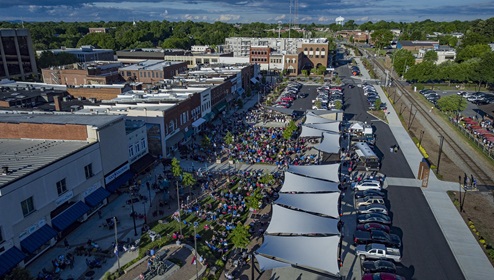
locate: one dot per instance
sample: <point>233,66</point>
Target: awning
<point>328,126</point>
<point>319,253</point>
<point>329,172</point>
<point>285,111</point>
<point>320,203</point>
<point>254,80</point>
<point>69,216</point>
<point>299,183</point>
<point>188,133</point>
<point>286,221</point>
<point>312,118</point>
<point>330,143</point>
<point>198,122</point>
<point>219,107</point>
<point>268,264</point>
<point>34,241</point>
<point>240,91</point>
<point>10,259</point>
<point>119,181</point>
<point>209,116</point>
<point>175,138</point>
<point>140,165</point>
<point>311,132</point>
<point>96,197</point>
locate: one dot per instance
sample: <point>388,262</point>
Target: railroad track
<point>483,177</point>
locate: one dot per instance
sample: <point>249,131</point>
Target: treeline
<point>144,34</point>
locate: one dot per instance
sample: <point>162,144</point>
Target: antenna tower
<point>295,18</point>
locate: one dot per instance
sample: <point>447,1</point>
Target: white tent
<point>329,172</point>
<point>329,126</point>
<point>298,183</point>
<point>320,253</point>
<point>330,143</point>
<point>287,221</point>
<point>321,203</point>
<point>268,264</point>
<point>311,132</point>
<point>357,126</point>
<point>312,118</point>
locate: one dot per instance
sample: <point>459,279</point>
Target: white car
<point>368,185</point>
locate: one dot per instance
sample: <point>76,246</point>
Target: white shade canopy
<point>308,131</point>
<point>330,143</point>
<point>312,118</point>
<point>298,183</point>
<point>319,253</point>
<point>268,264</point>
<point>320,203</point>
<point>333,126</point>
<point>287,221</point>
<point>329,172</point>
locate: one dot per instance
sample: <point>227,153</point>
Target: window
<point>129,74</point>
<point>137,148</point>
<point>1,236</point>
<point>131,151</point>
<point>27,206</point>
<point>61,186</point>
<point>88,170</point>
<point>143,144</point>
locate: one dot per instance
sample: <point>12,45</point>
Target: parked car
<point>373,226</point>
<point>378,266</point>
<point>378,251</point>
<point>368,185</point>
<point>382,276</point>
<point>371,192</point>
<point>368,200</point>
<point>373,208</point>
<point>372,106</point>
<point>377,236</point>
<point>374,218</point>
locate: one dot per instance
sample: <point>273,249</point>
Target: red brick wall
<point>98,93</point>
<point>43,131</point>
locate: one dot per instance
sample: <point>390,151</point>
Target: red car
<point>382,276</point>
<point>373,226</point>
<point>336,89</point>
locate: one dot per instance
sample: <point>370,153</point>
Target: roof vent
<point>5,170</point>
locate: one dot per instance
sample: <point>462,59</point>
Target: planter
<point>218,160</point>
<point>231,161</point>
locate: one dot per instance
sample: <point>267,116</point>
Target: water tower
<point>340,20</point>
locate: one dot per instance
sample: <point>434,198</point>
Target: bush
<point>220,263</point>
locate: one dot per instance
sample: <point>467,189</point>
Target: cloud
<point>280,17</point>
<point>228,18</point>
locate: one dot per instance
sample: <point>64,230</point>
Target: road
<point>426,254</point>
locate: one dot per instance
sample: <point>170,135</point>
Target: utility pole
<point>459,189</point>
<point>441,140</point>
<point>195,248</point>
<point>133,214</point>
<point>116,243</point>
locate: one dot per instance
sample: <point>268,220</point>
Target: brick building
<point>315,53</point>
<point>152,71</point>
<point>91,73</point>
<point>414,46</point>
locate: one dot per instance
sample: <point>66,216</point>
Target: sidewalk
<point>470,257</point>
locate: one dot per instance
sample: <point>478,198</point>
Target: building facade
<point>152,71</point>
<point>90,73</point>
<point>87,53</point>
<point>17,54</point>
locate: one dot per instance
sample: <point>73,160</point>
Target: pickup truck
<point>377,236</point>
<point>378,251</point>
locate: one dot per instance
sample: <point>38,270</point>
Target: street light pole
<point>179,215</point>
<point>195,248</point>
<point>459,189</point>
<point>421,136</point>
<point>441,141</point>
<point>116,242</point>
<point>133,214</point>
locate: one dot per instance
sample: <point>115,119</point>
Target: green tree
<point>377,104</point>
<point>176,168</point>
<point>423,72</point>
<point>401,60</point>
<point>430,56</point>
<point>320,70</point>
<point>452,103</point>
<point>305,73</point>
<point>267,179</point>
<point>253,200</point>
<point>485,68</point>
<point>338,105</point>
<point>228,139</point>
<point>289,130</point>
<point>382,38</point>
<point>240,236</point>
<point>472,51</point>
<point>47,59</point>
<point>318,104</point>
<point>18,273</point>
<point>100,40</point>
<point>206,142</point>
<point>188,180</point>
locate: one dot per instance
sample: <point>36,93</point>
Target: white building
<point>339,20</point>
<point>240,46</point>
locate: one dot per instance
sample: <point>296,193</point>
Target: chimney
<point>5,170</point>
<point>58,103</point>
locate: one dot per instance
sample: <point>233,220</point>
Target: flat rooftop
<point>149,65</point>
<point>94,120</point>
<point>26,156</point>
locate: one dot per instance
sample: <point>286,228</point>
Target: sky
<point>244,11</point>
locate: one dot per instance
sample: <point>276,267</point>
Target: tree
<point>240,236</point>
<point>47,59</point>
<point>305,73</point>
<point>472,51</point>
<point>423,72</point>
<point>205,142</point>
<point>188,179</point>
<point>289,130</point>
<point>401,60</point>
<point>485,68</point>
<point>431,56</point>
<point>267,179</point>
<point>377,104</point>
<point>176,168</point>
<point>320,70</point>
<point>228,139</point>
<point>452,103</point>
<point>101,40</point>
<point>338,105</point>
<point>253,200</point>
<point>382,38</point>
<point>19,273</point>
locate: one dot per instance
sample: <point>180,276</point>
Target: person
<point>391,149</point>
